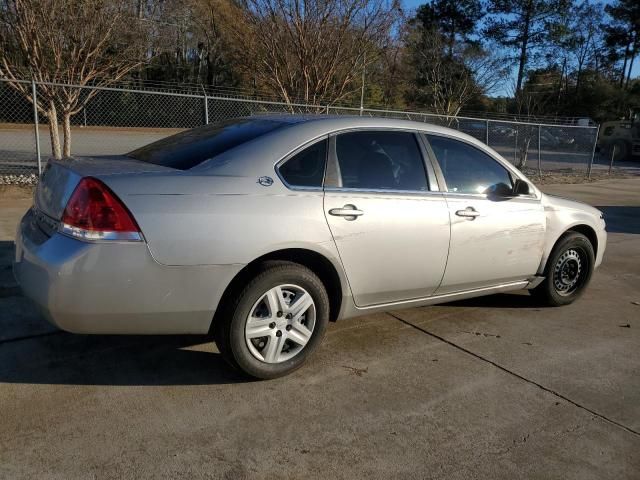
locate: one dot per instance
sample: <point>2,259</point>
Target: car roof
<point>337,122</point>
<point>322,124</point>
<point>298,130</point>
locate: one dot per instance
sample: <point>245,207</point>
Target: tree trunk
<point>624,65</point>
<point>633,56</point>
<point>626,84</point>
<point>563,76</point>
<point>66,126</point>
<point>524,153</point>
<point>54,131</point>
<point>523,46</point>
<point>452,39</point>
<point>578,78</point>
<point>210,69</point>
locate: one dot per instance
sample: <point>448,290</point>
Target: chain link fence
<point>118,120</point>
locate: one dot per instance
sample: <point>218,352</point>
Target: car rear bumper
<point>114,287</point>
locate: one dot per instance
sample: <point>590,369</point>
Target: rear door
<point>495,237</point>
<point>388,219</point>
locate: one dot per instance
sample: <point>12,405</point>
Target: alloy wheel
<point>280,323</point>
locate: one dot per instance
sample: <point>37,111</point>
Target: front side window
<point>381,160</point>
<point>467,169</point>
<point>306,168</point>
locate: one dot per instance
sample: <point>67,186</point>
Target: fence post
<point>327,109</point>
<point>539,154</point>
<point>206,107</point>
<point>593,153</point>
<point>613,154</point>
<point>515,147</point>
<point>34,97</point>
<point>487,133</point>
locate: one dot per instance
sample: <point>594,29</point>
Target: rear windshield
<point>192,147</point>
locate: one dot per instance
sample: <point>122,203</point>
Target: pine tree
<point>524,26</point>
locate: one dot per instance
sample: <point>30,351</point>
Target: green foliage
<point>455,20</point>
<point>450,67</point>
<point>526,27</point>
<point>622,35</point>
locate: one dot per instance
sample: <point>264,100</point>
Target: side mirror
<point>520,187</point>
<point>500,190</point>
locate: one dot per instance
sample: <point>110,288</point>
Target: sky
<point>413,4</point>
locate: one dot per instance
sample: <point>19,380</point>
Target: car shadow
<point>40,354</point>
<point>60,358</point>
<point>520,299</point>
<point>621,219</point>
<point>6,253</point>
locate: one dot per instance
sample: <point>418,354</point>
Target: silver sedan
<point>262,230</point>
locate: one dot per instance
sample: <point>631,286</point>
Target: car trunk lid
<point>60,178</point>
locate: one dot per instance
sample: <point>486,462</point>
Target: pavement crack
<point>483,334</point>
<point>517,375</point>
<point>356,371</point>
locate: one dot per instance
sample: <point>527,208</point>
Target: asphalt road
<point>488,388</point>
<point>17,145</point>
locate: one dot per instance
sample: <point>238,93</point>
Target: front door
<point>390,229</point>
<point>495,237</point>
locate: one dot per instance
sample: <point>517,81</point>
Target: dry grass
<point>15,192</point>
<point>573,177</point>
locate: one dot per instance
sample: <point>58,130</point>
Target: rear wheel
<point>275,322</point>
<point>568,271</point>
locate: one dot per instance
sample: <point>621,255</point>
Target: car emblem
<point>265,181</point>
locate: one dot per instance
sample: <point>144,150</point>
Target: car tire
<point>250,308</point>
<point>568,271</point>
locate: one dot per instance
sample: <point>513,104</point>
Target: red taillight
<point>95,212</point>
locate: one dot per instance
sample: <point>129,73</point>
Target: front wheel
<point>568,271</point>
<point>275,322</point>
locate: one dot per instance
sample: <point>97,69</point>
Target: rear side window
<point>467,169</point>
<point>306,168</point>
<point>192,147</point>
<point>381,160</point>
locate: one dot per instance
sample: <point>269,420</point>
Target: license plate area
<point>45,223</point>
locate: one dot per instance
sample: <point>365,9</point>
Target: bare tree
<point>81,42</point>
<point>528,102</point>
<point>213,20</point>
<point>585,37</point>
<point>313,50</point>
<point>446,83</point>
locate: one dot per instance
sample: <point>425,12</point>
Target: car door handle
<point>469,213</point>
<point>349,211</point>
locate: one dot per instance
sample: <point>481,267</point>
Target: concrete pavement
<point>486,388</point>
